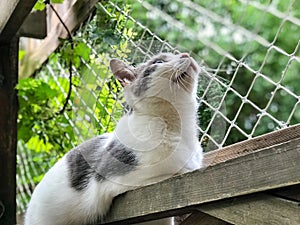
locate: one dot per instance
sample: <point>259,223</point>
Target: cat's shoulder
<point>93,144</point>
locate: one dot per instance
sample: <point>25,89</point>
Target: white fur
<point>161,131</point>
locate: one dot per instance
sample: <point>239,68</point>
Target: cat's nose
<point>184,55</point>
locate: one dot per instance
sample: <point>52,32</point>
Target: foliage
<point>41,4</point>
<point>44,132</point>
<point>40,127</point>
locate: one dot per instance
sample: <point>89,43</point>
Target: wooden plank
<point>249,146</point>
<point>270,168</point>
<point>7,8</point>
<point>8,130</point>
<point>76,15</point>
<point>13,14</point>
<point>35,25</point>
<point>200,218</point>
<point>255,209</point>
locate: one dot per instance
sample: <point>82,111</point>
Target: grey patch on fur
<point>80,170</point>
<point>123,160</point>
<point>143,81</point>
<point>91,160</point>
<point>142,85</point>
<point>149,71</point>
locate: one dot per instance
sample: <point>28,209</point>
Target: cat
<point>155,140</point>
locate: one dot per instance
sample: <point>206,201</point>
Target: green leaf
<point>21,54</point>
<point>57,1</point>
<point>82,50</point>
<point>35,89</point>
<point>39,5</point>
<point>38,145</point>
<point>24,132</point>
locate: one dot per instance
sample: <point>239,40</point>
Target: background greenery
<point>222,35</point>
<point>219,26</point>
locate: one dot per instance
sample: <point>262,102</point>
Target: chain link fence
<point>249,50</point>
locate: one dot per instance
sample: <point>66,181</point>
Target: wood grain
<point>249,146</point>
<point>269,168</point>
<point>13,14</point>
<point>73,18</point>
<point>259,209</point>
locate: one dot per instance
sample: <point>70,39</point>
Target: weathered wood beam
<point>254,144</point>
<point>268,168</point>
<point>72,19</point>
<point>35,25</point>
<point>8,130</point>
<point>255,209</point>
<point>13,14</point>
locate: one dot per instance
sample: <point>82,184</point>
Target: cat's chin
<point>194,66</point>
<point>187,75</point>
<point>189,67</point>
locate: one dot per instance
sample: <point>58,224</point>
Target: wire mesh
<point>249,50</point>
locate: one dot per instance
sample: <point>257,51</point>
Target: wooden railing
<point>240,185</point>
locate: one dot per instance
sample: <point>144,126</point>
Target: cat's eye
<point>158,61</point>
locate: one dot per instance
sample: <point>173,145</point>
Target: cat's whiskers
<point>171,83</point>
<point>171,70</point>
<point>177,78</point>
<point>181,81</point>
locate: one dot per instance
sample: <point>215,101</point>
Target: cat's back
<point>74,169</point>
<point>61,190</point>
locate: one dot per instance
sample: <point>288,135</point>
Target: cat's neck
<point>159,120</point>
<point>174,110</point>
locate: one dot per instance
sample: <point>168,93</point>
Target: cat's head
<point>164,75</point>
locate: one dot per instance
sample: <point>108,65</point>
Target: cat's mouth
<point>187,71</point>
<point>183,75</point>
<point>188,68</point>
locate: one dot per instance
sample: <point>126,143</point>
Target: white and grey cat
<point>155,140</point>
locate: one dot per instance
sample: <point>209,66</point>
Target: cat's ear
<point>122,72</point>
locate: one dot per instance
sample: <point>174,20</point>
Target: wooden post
<point>8,130</point>
<point>13,14</point>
